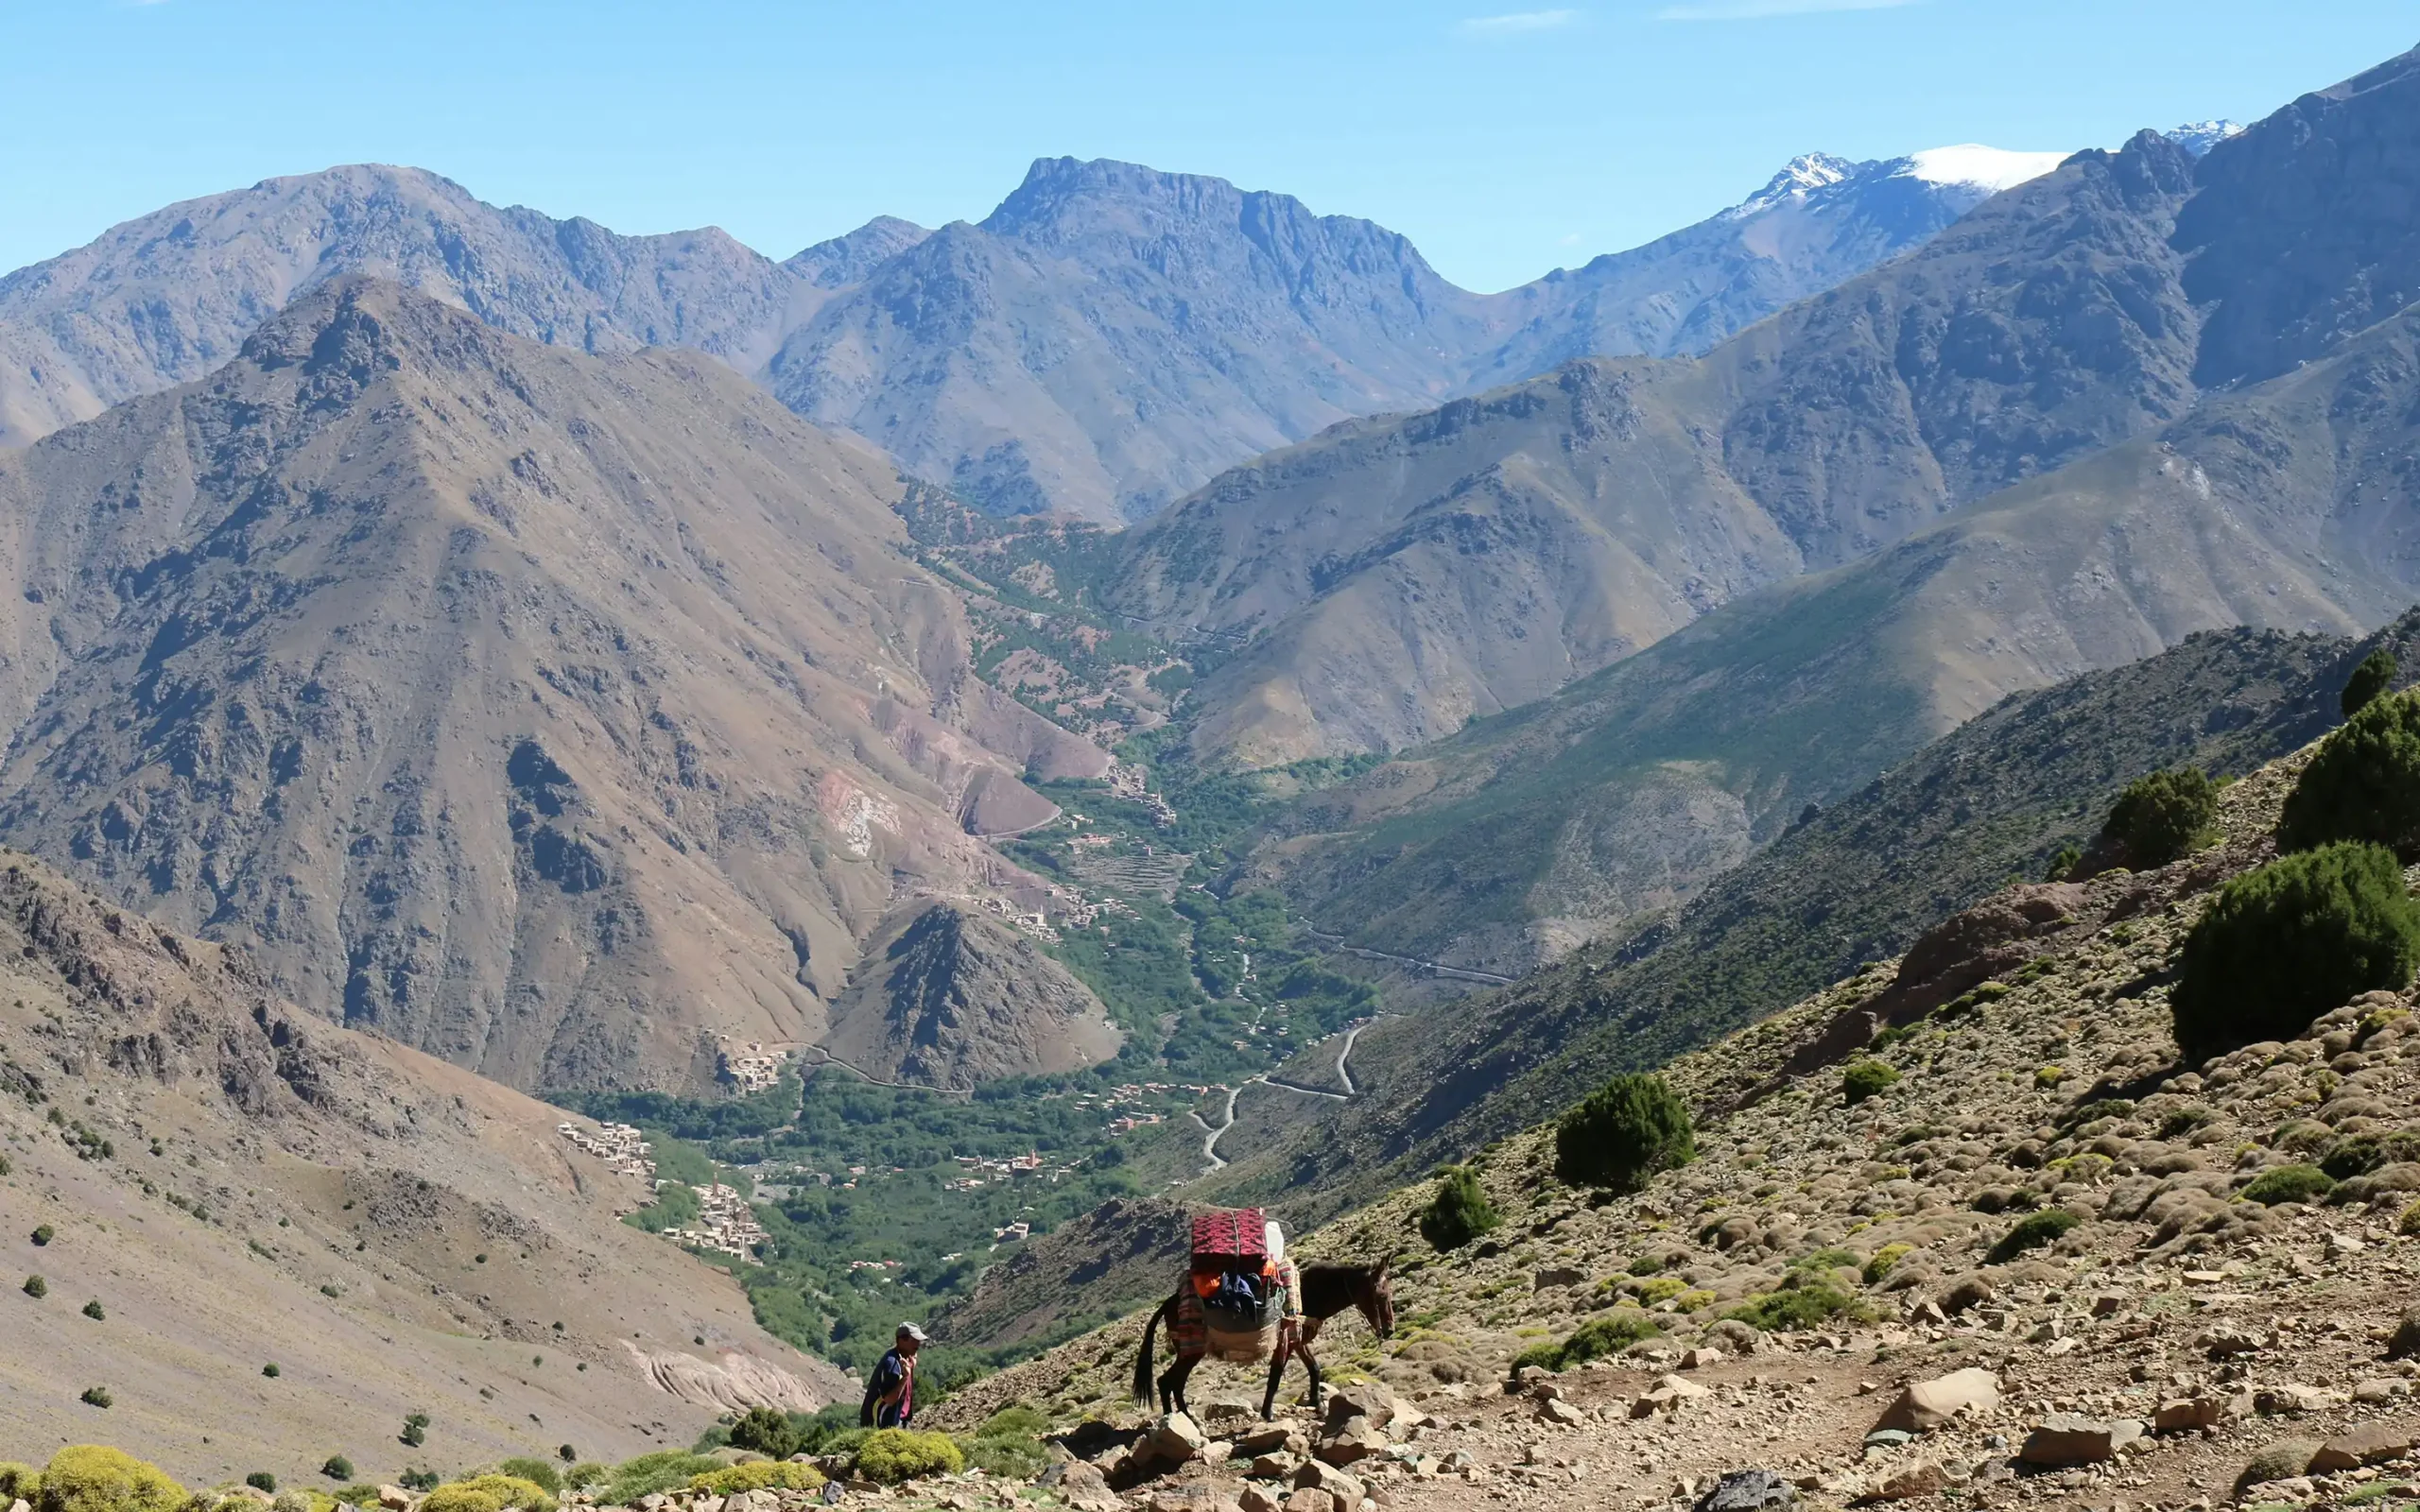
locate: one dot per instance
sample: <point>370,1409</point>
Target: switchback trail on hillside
<point>1460,973</point>
<point>1210,1136</point>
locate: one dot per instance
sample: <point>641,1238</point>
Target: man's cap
<point>909,1330</point>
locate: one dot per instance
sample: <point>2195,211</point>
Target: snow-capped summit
<point>2198,137</point>
<point>1971,165</point>
<point>1802,175</point>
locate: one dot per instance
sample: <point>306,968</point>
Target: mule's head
<point>1378,1300</point>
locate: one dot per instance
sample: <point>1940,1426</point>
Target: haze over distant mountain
<point>2191,363</point>
<point>1107,339</point>
<point>167,298</point>
<point>552,714</point>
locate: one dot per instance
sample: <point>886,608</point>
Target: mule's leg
<point>1311,1362</point>
<point>1276,1376</point>
<point>1172,1383</point>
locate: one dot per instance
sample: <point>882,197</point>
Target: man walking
<point>890,1395</point>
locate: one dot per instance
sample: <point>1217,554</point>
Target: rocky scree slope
<point>239,1184</point>
<point>552,714</point>
<point>1488,552</point>
<point>1850,884</point>
<point>2178,1338</point>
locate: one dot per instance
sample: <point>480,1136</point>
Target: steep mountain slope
<point>1820,221</point>
<point>847,260</point>
<point>2283,503</point>
<point>1111,335</point>
<point>1856,882</point>
<point>165,298</point>
<point>2049,323</point>
<point>240,1185</point>
<point>949,998</point>
<point>552,714</point>
<point>2053,1263</point>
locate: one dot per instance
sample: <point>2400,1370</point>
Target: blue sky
<point>1503,141</point>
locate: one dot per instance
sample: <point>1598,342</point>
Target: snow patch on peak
<point>2197,137</point>
<point>1971,164</point>
<point>1804,174</point>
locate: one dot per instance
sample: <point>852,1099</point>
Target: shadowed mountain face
<point>1108,339</point>
<point>548,712</point>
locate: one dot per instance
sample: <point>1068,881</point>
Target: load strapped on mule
<point>1243,1301</point>
<point>1239,1287</point>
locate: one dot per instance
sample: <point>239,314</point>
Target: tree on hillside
<point>2370,679</point>
<point>2292,940</point>
<point>2163,817</point>
<point>1623,1133</point>
<point>2363,783</point>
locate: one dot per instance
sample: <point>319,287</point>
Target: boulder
<point>1347,1490</point>
<point>2370,1444</point>
<point>2297,1399</point>
<point>1353,1441</point>
<point>1928,1404</point>
<point>1256,1500</point>
<point>1365,1399</point>
<point>2227,1342</point>
<point>2205,1410</point>
<point>2072,1438</point>
<point>1265,1439</point>
<point>1971,1290</point>
<point>1746,1491</point>
<point>1700,1357</point>
<point>1921,1478</point>
<point>1310,1499</point>
<point>1667,1394</point>
<point>392,1498</point>
<point>1177,1438</point>
<point>1561,1414</point>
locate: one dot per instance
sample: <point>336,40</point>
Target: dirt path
<point>1336,942</point>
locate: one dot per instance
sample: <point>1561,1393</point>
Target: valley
<point>1817,808</point>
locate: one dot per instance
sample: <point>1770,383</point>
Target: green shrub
<point>2349,1157</point>
<point>420,1480</point>
<point>1009,1444</point>
<point>1802,1306</point>
<point>44,1234</point>
<point>2163,817</point>
<point>1647,1265</point>
<point>537,1471</point>
<point>2288,1183</point>
<point>2290,941</point>
<point>758,1475</point>
<point>37,1288</point>
<point>1866,1078</point>
<point>766,1431</point>
<point>587,1473</point>
<point>1459,1212</point>
<point>489,1493</point>
<point>658,1471</point>
<point>1623,1133</point>
<point>337,1468</point>
<point>1661,1289</point>
<point>2363,783</point>
<point>1885,1260</point>
<point>2063,861</point>
<point>1610,1334</point>
<point>91,1478</point>
<point>98,1397</point>
<point>2033,1232</point>
<point>19,1482</point>
<point>261,1480</point>
<point>360,1493</point>
<point>270,1370</point>
<point>94,1311</point>
<point>892,1455</point>
<point>2368,680</point>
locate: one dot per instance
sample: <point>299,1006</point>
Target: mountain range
<point>1103,342</point>
<point>554,714</point>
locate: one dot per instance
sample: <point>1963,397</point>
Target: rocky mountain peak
<point>848,259</point>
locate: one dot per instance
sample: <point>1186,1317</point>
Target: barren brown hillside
<point>238,1186</point>
<point>553,713</point>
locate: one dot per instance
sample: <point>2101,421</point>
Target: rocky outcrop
<point>950,997</point>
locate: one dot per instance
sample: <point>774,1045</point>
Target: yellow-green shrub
<point>758,1475</point>
<point>489,1493</point>
<point>891,1455</point>
<point>19,1482</point>
<point>1884,1261</point>
<point>1661,1289</point>
<point>94,1478</point>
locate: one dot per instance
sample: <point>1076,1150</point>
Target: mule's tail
<point>1143,1361</point>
